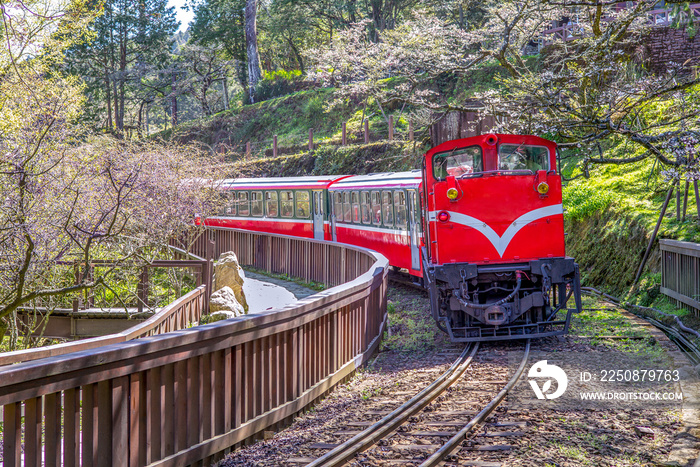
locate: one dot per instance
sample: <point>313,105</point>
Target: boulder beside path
<point>224,302</point>
<point>228,273</point>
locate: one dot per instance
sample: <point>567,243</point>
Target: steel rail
<point>368,437</point>
<point>455,442</point>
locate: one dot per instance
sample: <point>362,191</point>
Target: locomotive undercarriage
<point>499,302</point>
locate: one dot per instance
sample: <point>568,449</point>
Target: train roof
<point>275,183</point>
<point>380,180</point>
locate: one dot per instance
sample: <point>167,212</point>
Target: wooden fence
<point>178,315</point>
<point>680,273</point>
<point>189,396</point>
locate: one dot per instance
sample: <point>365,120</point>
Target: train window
<point>243,203</point>
<point>366,217</point>
<point>388,208</point>
<point>271,204</point>
<point>400,206</point>
<point>303,204</point>
<point>226,204</point>
<point>338,206</point>
<point>376,208</point>
<point>356,207</point>
<point>231,208</point>
<point>459,161</point>
<point>287,198</point>
<point>256,203</point>
<point>523,157</point>
<point>347,207</point>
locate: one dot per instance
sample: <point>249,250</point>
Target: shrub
<point>279,83</point>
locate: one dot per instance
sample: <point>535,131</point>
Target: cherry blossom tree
<point>594,88</point>
<point>65,197</point>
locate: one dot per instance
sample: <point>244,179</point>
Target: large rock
<point>228,273</point>
<point>225,300</point>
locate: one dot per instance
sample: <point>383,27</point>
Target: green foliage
<point>598,320</point>
<point>279,83</point>
<point>409,329</point>
<point>582,200</point>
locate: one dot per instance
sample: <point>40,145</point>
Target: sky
<point>184,17</point>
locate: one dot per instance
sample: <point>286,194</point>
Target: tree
<point>128,39</point>
<point>251,40</point>
<point>413,54</point>
<point>221,23</point>
<point>68,202</point>
<point>62,199</point>
<point>592,89</point>
<point>206,68</point>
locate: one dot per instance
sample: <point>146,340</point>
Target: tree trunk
<point>122,82</point>
<point>225,92</point>
<point>203,97</point>
<point>139,125</point>
<point>296,53</point>
<point>173,111</point>
<point>110,125</point>
<point>251,39</point>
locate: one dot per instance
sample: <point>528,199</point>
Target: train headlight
<point>452,193</point>
<point>444,216</point>
<point>543,188</point>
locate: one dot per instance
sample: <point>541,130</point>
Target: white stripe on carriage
<point>262,219</point>
<point>403,233</point>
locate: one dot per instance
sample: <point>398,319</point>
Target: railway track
<point>406,430</point>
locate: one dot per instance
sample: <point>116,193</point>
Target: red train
<point>480,226</point>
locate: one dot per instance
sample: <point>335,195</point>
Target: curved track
<point>390,424</point>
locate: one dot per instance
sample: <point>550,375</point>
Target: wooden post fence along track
<point>189,396</point>
<point>680,273</point>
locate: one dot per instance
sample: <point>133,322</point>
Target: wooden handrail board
<point>676,246</point>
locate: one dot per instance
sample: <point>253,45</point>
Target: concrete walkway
<point>299,291</point>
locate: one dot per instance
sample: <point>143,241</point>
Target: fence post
<point>410,130</point>
<point>366,131</point>
<point>345,135</point>
<point>76,273</point>
<point>142,290</point>
<point>247,149</point>
<point>391,128</point>
<point>311,139</point>
<point>274,146</point>
<point>208,272</point>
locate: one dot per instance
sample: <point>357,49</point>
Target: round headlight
<point>543,188</point>
<point>452,193</point>
<point>444,216</point>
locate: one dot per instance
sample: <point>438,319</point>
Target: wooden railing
<point>680,273</point>
<point>192,395</point>
<point>178,315</point>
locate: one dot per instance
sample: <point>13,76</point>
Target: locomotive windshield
<point>523,157</point>
<point>458,162</point>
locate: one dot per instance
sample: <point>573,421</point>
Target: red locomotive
<point>481,227</point>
